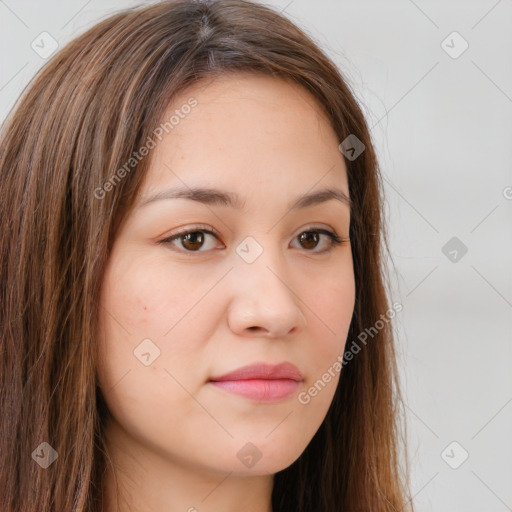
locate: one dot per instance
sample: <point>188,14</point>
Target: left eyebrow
<point>217,197</point>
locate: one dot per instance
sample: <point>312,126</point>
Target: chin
<point>263,457</point>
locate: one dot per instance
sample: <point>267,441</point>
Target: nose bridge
<point>263,297</point>
<point>260,263</point>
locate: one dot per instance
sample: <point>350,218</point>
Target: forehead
<point>246,130</point>
<point>247,86</point>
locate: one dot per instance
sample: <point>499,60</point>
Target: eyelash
<point>335,240</point>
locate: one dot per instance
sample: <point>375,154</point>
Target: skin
<point>174,437</point>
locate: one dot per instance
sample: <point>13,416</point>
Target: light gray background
<point>443,130</point>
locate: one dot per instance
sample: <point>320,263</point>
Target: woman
<point>193,307</point>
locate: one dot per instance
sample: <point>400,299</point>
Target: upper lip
<point>263,371</point>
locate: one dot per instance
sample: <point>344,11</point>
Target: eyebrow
<point>218,197</point>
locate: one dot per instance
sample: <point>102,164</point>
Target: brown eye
<point>192,241</point>
<point>310,239</point>
<point>195,241</point>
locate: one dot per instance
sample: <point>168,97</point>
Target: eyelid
<point>208,227</point>
<point>195,227</point>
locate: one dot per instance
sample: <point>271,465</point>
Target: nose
<point>264,301</point>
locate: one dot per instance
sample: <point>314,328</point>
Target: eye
<point>192,240</point>
<point>312,237</point>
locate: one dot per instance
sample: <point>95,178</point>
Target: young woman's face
<point>268,287</point>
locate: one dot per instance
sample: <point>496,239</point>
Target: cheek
<point>134,309</point>
<point>331,301</point>
<point>147,299</point>
<point>139,297</point>
<point>144,311</point>
<point>331,304</point>
<point>149,296</point>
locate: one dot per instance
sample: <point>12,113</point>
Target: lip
<point>263,371</point>
<point>261,382</point>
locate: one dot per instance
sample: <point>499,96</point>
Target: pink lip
<point>261,382</point>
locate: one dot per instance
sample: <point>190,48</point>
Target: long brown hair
<point>87,110</point>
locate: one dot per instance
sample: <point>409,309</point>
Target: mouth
<point>261,382</point>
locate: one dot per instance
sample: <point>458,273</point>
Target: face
<point>198,288</point>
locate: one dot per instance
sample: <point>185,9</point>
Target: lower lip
<point>262,390</point>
